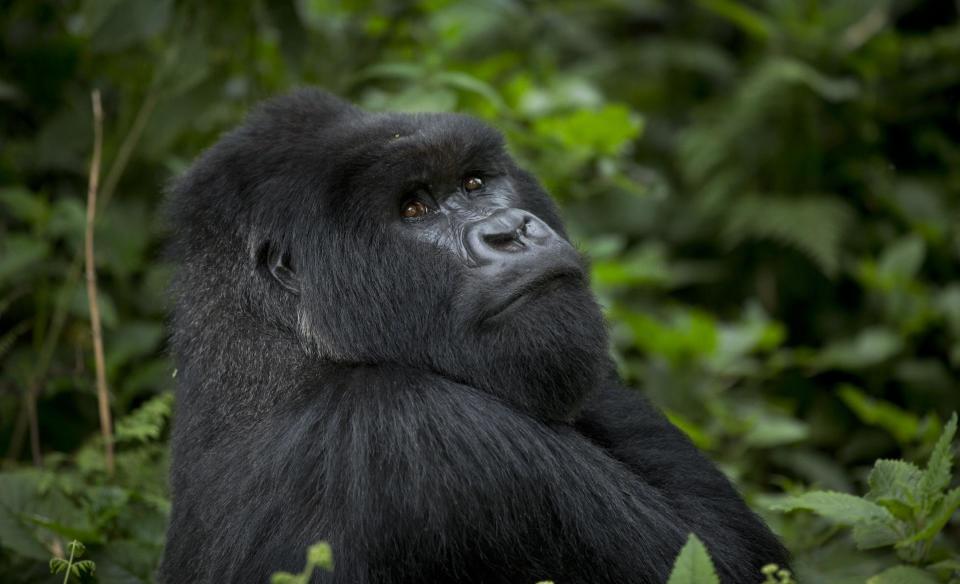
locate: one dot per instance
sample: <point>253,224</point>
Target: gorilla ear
<point>276,261</point>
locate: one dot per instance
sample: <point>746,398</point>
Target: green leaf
<point>58,565</point>
<point>86,531</point>
<point>870,347</point>
<point>321,556</point>
<point>949,566</point>
<point>747,19</point>
<point>698,436</point>
<point>903,258</point>
<point>24,205</point>
<point>20,254</point>
<point>147,422</point>
<point>937,476</point>
<point>693,565</point>
<point>814,225</point>
<point>770,429</point>
<point>15,536</point>
<point>76,548</point>
<point>903,575</point>
<point>938,518</point>
<point>605,131</point>
<point>838,507</point>
<point>689,334</point>
<point>874,534</point>
<point>894,481</point>
<point>471,84</point>
<point>903,425</point>
<point>84,567</point>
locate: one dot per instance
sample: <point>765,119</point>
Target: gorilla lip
<point>527,290</point>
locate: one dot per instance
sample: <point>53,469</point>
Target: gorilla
<point>385,340</point>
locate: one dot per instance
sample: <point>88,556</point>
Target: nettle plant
<point>906,508</point>
<point>693,565</point>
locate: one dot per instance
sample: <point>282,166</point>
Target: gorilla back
<point>385,340</point>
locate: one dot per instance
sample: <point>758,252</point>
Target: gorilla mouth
<point>529,289</point>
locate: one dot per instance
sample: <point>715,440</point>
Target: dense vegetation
<point>768,189</point>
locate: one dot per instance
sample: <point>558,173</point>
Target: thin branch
<point>103,398</point>
<point>28,416</point>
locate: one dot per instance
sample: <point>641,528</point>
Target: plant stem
<point>103,397</point>
<point>66,575</point>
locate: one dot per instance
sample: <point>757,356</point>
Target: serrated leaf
<point>903,575</point>
<point>147,422</point>
<point>693,565</point>
<point>894,480</point>
<point>937,476</point>
<point>839,507</point>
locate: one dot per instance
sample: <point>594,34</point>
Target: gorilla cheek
<point>541,356</point>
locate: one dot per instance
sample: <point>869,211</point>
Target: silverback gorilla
<point>385,340</point>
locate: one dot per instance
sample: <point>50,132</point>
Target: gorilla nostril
<point>503,241</point>
<point>522,230</point>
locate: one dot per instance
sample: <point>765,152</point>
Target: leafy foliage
<point>72,566</point>
<point>766,188</point>
<point>906,508</point>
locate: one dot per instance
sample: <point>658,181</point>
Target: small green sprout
<point>72,566</point>
<point>319,555</point>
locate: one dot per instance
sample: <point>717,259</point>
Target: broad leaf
<point>839,507</point>
<point>693,565</point>
<point>894,481</point>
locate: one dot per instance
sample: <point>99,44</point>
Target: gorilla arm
<point>413,478</point>
<point>634,432</point>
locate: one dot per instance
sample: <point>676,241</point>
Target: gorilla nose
<point>507,233</point>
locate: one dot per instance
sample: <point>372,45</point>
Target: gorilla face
<point>416,240</point>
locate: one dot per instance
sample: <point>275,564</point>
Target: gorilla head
<point>411,239</point>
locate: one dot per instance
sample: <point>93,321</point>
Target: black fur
<point>336,380</point>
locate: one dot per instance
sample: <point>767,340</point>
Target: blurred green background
<point>769,191</point>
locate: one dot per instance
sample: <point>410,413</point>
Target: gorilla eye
<point>472,183</point>
<point>414,209</point>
